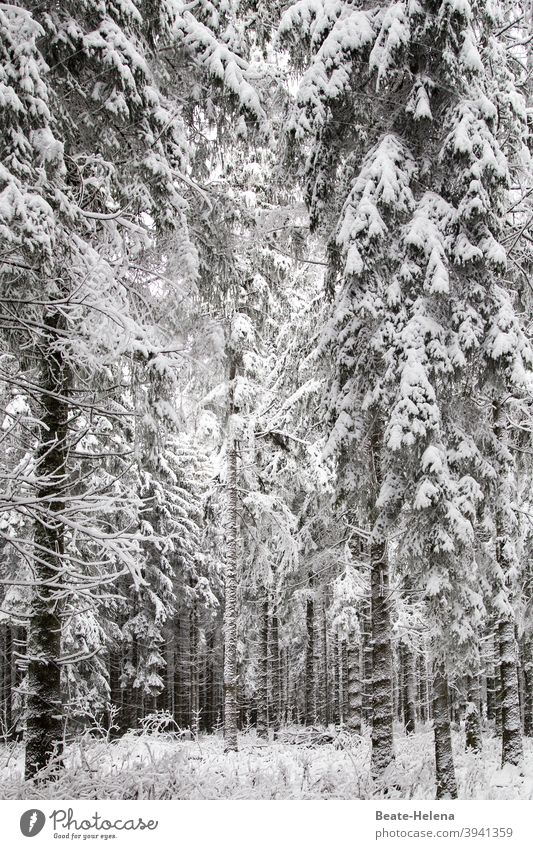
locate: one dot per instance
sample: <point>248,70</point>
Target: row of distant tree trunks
<point>335,685</point>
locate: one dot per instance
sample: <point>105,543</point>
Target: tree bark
<point>195,672</point>
<point>262,671</point>
<point>444,765</point>
<point>382,706</point>
<point>512,751</point>
<point>230,582</point>
<point>275,674</point>
<point>528,687</point>
<point>310,700</point>
<point>367,664</point>
<point>43,702</point>
<point>7,683</point>
<point>473,718</point>
<point>408,688</point>
<point>345,676</point>
<point>354,689</point>
<point>382,667</point>
<point>325,698</point>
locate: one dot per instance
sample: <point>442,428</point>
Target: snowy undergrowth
<point>158,766</point>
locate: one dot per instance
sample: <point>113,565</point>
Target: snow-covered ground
<point>159,766</point>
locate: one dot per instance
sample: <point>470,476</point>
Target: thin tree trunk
<point>131,696</point>
<point>44,723</point>
<point>382,670</point>
<point>473,718</point>
<point>382,707</point>
<point>310,694</point>
<point>7,683</point>
<point>262,671</point>
<point>115,690</point>
<point>424,704</point>
<point>512,751</point>
<point>345,675</point>
<point>408,688</point>
<point>324,699</point>
<point>230,582</point>
<point>335,676</point>
<point>528,687</point>
<point>168,692</point>
<point>367,664</point>
<point>444,766</point>
<point>491,684</point>
<point>310,706</point>
<point>195,672</point>
<point>339,680</point>
<point>276,673</point>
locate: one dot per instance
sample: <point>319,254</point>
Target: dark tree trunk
<point>115,690</point>
<point>444,766</point>
<point>195,672</point>
<point>335,671</point>
<point>44,722</point>
<point>323,689</point>
<point>424,704</point>
<point>310,706</point>
<point>367,665</point>
<point>512,751</point>
<point>210,697</point>
<point>131,698</point>
<point>345,676</point>
<point>491,689</point>
<point>382,707</point>
<point>527,661</point>
<point>473,718</point>
<point>408,688</point>
<point>7,683</point>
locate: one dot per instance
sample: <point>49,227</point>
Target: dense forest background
<point>266,380</point>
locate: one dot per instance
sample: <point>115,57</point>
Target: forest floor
<point>160,766</point>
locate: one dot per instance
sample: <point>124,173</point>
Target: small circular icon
<point>32,822</point>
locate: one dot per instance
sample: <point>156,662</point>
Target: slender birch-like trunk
<point>44,722</point>
<point>444,765</point>
<point>230,579</point>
